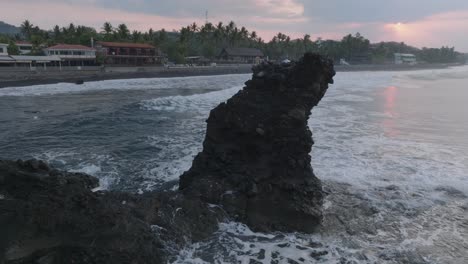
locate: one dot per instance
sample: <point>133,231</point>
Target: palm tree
<point>219,32</point>
<point>151,34</point>
<point>123,31</point>
<point>26,29</point>
<point>194,27</point>
<point>136,36</point>
<point>244,35</point>
<point>253,35</point>
<point>107,27</point>
<point>57,34</point>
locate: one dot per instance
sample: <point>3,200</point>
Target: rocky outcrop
<point>255,160</point>
<point>49,216</point>
<point>254,168</point>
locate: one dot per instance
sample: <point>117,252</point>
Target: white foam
<point>206,82</point>
<point>201,103</point>
<point>73,161</point>
<point>90,169</point>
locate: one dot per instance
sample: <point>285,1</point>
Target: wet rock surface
<point>50,216</point>
<point>254,168</point>
<point>255,160</point>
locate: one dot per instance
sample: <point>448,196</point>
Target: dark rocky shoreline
<point>254,168</point>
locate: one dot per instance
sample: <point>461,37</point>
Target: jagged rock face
<point>255,160</point>
<point>49,216</point>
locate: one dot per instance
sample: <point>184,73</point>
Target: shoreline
<point>40,78</point>
<point>27,78</point>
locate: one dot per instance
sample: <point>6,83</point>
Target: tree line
<point>209,39</point>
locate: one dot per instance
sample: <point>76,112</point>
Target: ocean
<point>390,147</point>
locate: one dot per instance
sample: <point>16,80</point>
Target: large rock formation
<point>255,168</point>
<point>255,160</point>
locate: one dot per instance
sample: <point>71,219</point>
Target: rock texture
<point>254,167</point>
<point>48,216</point>
<point>255,160</point>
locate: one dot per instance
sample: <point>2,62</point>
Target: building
<point>3,49</point>
<point>24,47</point>
<point>360,58</point>
<point>404,58</point>
<point>5,60</point>
<point>33,62</point>
<point>241,55</point>
<point>132,54</point>
<point>73,55</point>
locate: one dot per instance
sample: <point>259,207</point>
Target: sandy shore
<point>27,78</point>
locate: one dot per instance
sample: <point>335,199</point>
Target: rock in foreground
<point>52,217</point>
<point>255,160</point>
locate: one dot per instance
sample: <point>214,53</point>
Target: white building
<point>405,58</point>
<point>3,49</point>
<point>24,47</point>
<point>76,55</point>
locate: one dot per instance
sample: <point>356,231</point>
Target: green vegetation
<point>208,40</point>
<point>13,49</point>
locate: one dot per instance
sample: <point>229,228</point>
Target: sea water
<point>390,148</point>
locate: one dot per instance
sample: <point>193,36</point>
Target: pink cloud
<point>433,31</point>
<point>46,14</point>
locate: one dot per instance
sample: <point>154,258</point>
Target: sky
<point>430,23</point>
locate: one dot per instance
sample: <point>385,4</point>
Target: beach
<point>24,77</point>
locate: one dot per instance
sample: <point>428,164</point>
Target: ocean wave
<point>201,103</point>
<point>205,82</point>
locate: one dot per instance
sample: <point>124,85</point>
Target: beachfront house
<point>405,58</point>
<point>3,49</point>
<point>73,55</point>
<point>24,47</point>
<point>128,54</point>
<point>241,55</point>
<point>5,60</point>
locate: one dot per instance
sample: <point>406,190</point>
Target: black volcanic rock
<point>255,160</point>
<point>50,216</point>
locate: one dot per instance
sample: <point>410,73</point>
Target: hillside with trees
<point>209,39</point>
<point>8,29</point>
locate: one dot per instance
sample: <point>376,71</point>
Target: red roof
<point>23,42</point>
<point>125,45</point>
<point>70,47</point>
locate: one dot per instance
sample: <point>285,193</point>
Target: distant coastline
<point>19,79</point>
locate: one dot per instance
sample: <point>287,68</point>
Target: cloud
<point>46,14</point>
<point>434,31</point>
<point>289,8</point>
<point>424,22</point>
